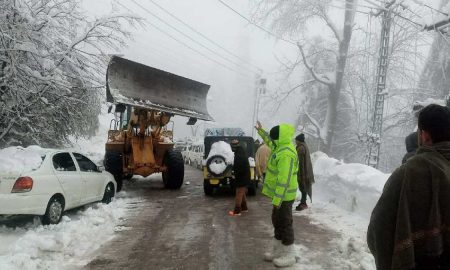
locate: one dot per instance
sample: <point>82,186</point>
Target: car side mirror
<point>100,168</point>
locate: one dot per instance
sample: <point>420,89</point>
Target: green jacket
<point>280,183</point>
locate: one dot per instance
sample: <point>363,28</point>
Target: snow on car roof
<point>16,160</point>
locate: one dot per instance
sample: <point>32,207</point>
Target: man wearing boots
<point>281,186</point>
<point>241,169</point>
<point>410,224</point>
<point>305,175</point>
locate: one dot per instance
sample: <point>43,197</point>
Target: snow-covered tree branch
<point>52,61</point>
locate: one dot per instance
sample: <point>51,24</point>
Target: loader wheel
<point>174,175</point>
<point>208,188</point>
<point>113,164</point>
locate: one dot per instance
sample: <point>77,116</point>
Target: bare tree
<point>288,18</point>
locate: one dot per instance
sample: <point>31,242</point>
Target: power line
<point>202,35</point>
<point>187,36</point>
<point>357,4</point>
<point>256,25</point>
<point>344,8</point>
<point>186,45</point>
<point>430,7</point>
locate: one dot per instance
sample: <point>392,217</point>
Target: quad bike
<point>139,140</point>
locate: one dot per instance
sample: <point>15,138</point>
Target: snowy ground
<point>344,196</point>
<point>67,245</point>
<point>26,244</point>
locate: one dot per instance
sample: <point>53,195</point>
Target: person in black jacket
<point>411,143</point>
<point>241,168</point>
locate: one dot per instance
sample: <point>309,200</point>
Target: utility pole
<point>260,88</point>
<point>374,136</point>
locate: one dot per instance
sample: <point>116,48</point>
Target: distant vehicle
<point>64,180</point>
<point>196,155</point>
<point>185,153</point>
<point>214,180</point>
<point>179,146</point>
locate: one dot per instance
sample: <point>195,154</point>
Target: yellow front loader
<point>145,98</point>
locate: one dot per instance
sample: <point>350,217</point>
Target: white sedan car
<point>63,181</point>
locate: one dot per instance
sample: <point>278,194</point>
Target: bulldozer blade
<point>138,85</point>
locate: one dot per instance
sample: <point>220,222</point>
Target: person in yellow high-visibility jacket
<point>280,185</point>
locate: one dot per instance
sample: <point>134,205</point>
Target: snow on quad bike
<point>218,163</point>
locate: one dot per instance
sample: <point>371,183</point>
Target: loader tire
<point>113,164</point>
<point>174,175</point>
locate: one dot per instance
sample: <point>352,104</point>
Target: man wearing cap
<point>305,176</point>
<point>281,186</point>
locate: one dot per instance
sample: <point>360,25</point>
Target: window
<point>63,162</point>
<point>86,165</point>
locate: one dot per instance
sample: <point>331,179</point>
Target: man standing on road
<point>281,186</point>
<point>305,175</point>
<point>241,168</point>
<point>261,157</point>
<point>410,225</point>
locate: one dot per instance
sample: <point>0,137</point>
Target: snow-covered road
<point>67,245</point>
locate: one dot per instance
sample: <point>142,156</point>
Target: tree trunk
<point>335,89</point>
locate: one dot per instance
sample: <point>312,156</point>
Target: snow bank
<point>17,160</point>
<point>65,245</point>
<point>353,187</point>
<point>344,197</point>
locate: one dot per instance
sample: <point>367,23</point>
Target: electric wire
<point>189,37</point>
<point>204,36</point>
<point>256,25</point>
<point>189,47</point>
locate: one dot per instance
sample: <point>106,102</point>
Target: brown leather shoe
<point>301,206</point>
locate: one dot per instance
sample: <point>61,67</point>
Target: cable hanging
<point>205,37</point>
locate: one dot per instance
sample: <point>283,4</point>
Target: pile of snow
<point>16,160</point>
<point>65,245</point>
<point>218,167</point>
<point>223,149</point>
<point>353,187</point>
<point>344,197</point>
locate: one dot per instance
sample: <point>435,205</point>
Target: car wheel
<point>113,164</point>
<point>208,188</point>
<point>54,211</point>
<point>109,193</point>
<point>174,175</point>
